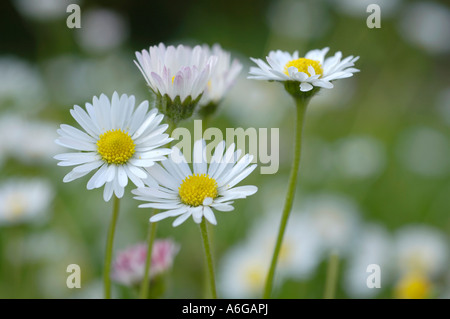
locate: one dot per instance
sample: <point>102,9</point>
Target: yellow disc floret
<point>302,65</point>
<point>413,286</point>
<point>115,146</point>
<point>195,188</point>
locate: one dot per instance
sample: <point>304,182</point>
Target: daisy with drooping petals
<point>177,75</point>
<point>183,193</point>
<point>118,142</point>
<point>313,70</point>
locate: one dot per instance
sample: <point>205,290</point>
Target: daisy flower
<point>313,70</point>
<point>118,142</point>
<point>129,266</point>
<point>24,200</point>
<point>182,193</point>
<point>223,77</point>
<point>178,75</point>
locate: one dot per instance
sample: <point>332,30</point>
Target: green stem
<point>145,285</point>
<point>209,260</point>
<point>109,249</point>
<point>332,276</point>
<point>301,110</point>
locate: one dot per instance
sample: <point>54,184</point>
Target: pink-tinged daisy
<point>179,71</point>
<point>118,142</point>
<point>181,192</point>
<point>312,70</point>
<point>129,265</point>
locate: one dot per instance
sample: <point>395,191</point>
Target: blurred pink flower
<point>129,265</point>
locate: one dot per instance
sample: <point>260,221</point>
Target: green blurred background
<point>379,139</point>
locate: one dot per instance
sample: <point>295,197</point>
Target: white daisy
<point>176,71</point>
<point>421,249</point>
<point>24,200</point>
<point>179,192</point>
<point>118,143</point>
<point>223,77</point>
<point>243,271</point>
<point>313,70</point>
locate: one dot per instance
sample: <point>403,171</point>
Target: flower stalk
<point>109,248</point>
<point>209,260</point>
<point>302,101</point>
<point>145,285</point>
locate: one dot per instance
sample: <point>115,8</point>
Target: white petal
<point>305,87</point>
<point>197,214</point>
<point>122,176</point>
<point>209,215</point>
<point>181,219</point>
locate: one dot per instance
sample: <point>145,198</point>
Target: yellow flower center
<point>16,206</point>
<point>413,286</point>
<point>254,276</point>
<point>196,188</point>
<point>115,146</point>
<point>302,65</point>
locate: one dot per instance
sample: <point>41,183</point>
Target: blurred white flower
<point>424,151</point>
<point>298,19</point>
<point>223,76</point>
<point>358,7</point>
<point>374,246</point>
<point>25,200</point>
<point>21,85</point>
<point>49,246</point>
<point>91,290</point>
<point>44,10</point>
<point>71,79</point>
<point>335,219</point>
<point>414,285</point>
<point>129,265</point>
<point>16,130</point>
<point>422,249</point>
<point>426,25</point>
<point>102,30</point>
<point>360,157</point>
<point>300,251</point>
<point>243,271</point>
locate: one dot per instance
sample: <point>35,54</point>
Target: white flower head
<point>313,70</point>
<point>300,251</point>
<point>176,71</point>
<point>223,76</point>
<point>243,271</point>
<point>24,200</point>
<point>118,142</point>
<point>335,219</point>
<point>182,193</point>
<point>422,249</point>
<point>373,247</point>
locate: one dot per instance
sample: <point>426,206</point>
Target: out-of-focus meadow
<point>374,181</point>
